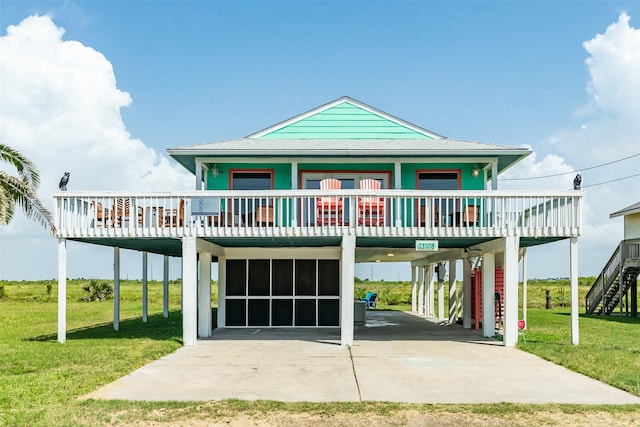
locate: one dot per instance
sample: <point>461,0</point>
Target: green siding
<point>409,181</point>
<point>467,182</point>
<point>366,167</point>
<point>281,179</point>
<point>345,121</point>
<point>282,173</point>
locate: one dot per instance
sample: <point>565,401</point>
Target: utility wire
<point>613,180</point>
<point>574,171</point>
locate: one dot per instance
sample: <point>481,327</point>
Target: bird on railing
<point>577,181</point>
<point>63,181</point>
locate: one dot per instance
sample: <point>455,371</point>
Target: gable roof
<point>629,210</point>
<point>344,118</point>
<point>347,128</point>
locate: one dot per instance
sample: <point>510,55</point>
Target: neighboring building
<point>287,212</point>
<point>617,284</point>
<point>631,215</point>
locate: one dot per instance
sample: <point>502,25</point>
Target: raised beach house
<point>288,211</point>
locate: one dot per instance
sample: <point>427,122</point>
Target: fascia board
<point>404,160</point>
<point>351,152</point>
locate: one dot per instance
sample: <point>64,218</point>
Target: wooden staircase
<point>618,279</point>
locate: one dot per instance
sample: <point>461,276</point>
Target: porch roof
<point>349,148</point>
<point>629,210</point>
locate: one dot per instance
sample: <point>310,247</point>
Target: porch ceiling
<point>368,249</point>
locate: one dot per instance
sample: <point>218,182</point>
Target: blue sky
<point>501,72</point>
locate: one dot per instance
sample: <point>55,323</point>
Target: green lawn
<point>41,380</point>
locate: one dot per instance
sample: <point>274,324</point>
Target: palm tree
<point>21,190</point>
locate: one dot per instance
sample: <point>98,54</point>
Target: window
<point>445,180</point>
<point>438,180</point>
<point>256,180</point>
<point>251,180</point>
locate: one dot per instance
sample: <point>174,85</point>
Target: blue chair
<point>371,300</point>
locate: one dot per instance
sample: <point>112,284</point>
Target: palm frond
<point>6,208</point>
<point>26,169</point>
<point>19,192</point>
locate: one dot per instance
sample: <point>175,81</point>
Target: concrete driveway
<point>396,357</point>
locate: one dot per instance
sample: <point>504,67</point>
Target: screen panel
<point>305,277</point>
<point>236,279</point>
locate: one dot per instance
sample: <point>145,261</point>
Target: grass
<point>609,348</point>
<point>41,380</point>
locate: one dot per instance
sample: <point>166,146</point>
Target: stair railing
<point>604,281</point>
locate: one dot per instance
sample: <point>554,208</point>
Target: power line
<point>613,180</point>
<point>574,171</point>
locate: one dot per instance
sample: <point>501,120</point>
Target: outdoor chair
<point>121,212</point>
<point>424,221</point>
<point>329,209</point>
<point>263,216</point>
<point>470,215</point>
<point>370,209</point>
<point>102,215</point>
<point>370,300</point>
<point>174,217</point>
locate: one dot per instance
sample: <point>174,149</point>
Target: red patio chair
<point>329,209</point>
<point>370,208</point>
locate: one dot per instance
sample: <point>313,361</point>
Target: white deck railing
<point>289,213</point>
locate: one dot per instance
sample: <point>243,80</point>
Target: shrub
<point>395,298</point>
<point>97,291</point>
<point>2,292</point>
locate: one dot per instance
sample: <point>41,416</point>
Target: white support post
<point>62,290</point>
<point>414,290</point>
<point>421,304</point>
<point>453,303</point>
<point>573,274</point>
<point>165,287</point>
<point>116,289</point>
<point>510,337</point>
<point>222,290</point>
<point>189,291</point>
<point>198,174</point>
<point>294,186</point>
<point>397,184</point>
<point>204,296</point>
<point>145,287</point>
<point>348,256</point>
<point>431,291</point>
<point>524,286</point>
<point>494,175</point>
<point>466,291</point>
<point>488,294</point>
<point>440,300</point>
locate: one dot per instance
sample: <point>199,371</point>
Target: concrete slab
<point>396,357</point>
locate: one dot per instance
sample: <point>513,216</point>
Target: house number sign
<point>427,245</point>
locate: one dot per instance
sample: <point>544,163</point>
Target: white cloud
<point>518,177</point>
<point>609,129</point>
<point>60,106</point>
<point>614,65</point>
